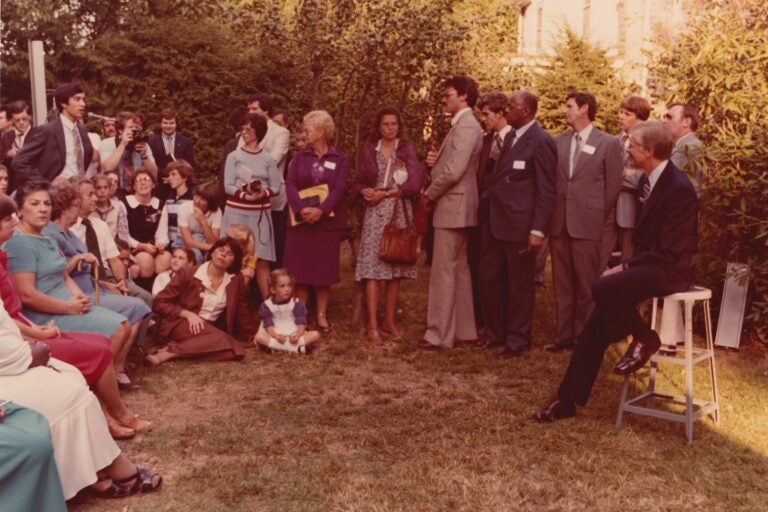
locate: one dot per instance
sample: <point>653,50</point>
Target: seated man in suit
<point>665,245</point>
<point>168,147</point>
<point>521,197</point>
<point>61,147</point>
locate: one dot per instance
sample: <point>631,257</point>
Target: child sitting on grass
<point>284,318</point>
<point>180,258</point>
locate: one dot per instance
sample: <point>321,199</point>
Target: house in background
<point>627,29</point>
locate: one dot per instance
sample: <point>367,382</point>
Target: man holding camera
<point>126,152</point>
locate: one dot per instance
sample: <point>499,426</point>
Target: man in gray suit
<point>633,109</point>
<point>453,196</point>
<point>682,122</point>
<point>588,181</point>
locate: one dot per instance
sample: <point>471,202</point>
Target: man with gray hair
<point>665,244</point>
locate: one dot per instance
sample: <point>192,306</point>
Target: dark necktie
<point>645,188</point>
<point>92,243</point>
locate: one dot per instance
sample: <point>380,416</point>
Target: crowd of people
<point>109,243</point>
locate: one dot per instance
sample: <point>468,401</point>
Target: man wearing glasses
<point>452,196</point>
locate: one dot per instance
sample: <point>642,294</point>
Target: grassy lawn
<point>353,428</point>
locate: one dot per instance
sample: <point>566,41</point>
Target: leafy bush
<point>727,79</point>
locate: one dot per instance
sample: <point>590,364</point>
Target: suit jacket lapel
<point>60,141</point>
<point>565,150</point>
<point>508,150</point>
<point>656,192</point>
<point>582,157</point>
<point>448,137</point>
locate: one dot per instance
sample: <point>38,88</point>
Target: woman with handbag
<point>316,182</point>
<point>388,176</point>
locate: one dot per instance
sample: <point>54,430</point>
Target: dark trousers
<point>507,273</point>
<point>614,317</point>
<point>279,227</point>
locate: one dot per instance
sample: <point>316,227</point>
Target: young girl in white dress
<point>284,318</point>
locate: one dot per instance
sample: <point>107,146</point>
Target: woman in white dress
<point>83,448</point>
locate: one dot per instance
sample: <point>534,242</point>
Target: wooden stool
<point>694,409</point>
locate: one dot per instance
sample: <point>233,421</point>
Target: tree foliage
<point>578,65</point>
<point>727,79</point>
<point>204,57</point>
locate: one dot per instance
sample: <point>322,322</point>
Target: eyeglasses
<point>143,179</point>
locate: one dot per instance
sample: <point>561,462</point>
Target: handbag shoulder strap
<point>393,219</point>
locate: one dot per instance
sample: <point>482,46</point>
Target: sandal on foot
<point>124,383</point>
<point>138,425</point>
<point>120,432</point>
<point>374,337</point>
<point>142,483</point>
<point>153,359</point>
<point>392,331</point>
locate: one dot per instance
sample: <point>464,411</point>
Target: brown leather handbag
<point>398,245</point>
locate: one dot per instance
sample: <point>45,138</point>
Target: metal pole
<point>37,82</point>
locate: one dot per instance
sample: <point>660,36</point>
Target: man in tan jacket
<point>453,196</point>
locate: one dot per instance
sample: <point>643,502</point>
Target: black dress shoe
<point>510,352</point>
<point>638,353</point>
<point>425,345</point>
<point>486,344</point>
<point>560,345</point>
<point>557,409</point>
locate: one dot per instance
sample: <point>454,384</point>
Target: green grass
<point>352,428</point>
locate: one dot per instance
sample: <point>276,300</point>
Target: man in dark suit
<point>493,109</point>
<point>169,146</point>
<point>61,147</point>
<point>665,245</point>
<point>589,171</point>
<point>521,196</point>
<point>13,140</point>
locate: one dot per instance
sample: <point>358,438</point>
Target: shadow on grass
<point>362,429</point>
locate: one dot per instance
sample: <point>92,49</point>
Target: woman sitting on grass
<point>181,257</point>
<point>284,318</point>
<point>203,307</point>
<point>88,352</point>
<point>84,451</point>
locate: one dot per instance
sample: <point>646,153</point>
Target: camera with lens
<point>140,137</point>
<point>253,187</point>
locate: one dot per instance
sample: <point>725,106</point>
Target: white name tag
<point>518,164</point>
<point>590,150</point>
<point>332,165</point>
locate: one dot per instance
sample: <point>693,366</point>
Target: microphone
<point>91,115</point>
